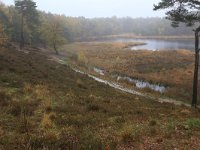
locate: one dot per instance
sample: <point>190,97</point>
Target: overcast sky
<point>98,8</point>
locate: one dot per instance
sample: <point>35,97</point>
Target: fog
<point>99,8</point>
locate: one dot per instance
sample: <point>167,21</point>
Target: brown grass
<point>173,69</point>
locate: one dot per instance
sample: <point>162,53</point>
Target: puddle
<point>142,84</point>
<point>131,91</point>
<point>124,89</point>
<point>111,84</point>
<point>137,83</point>
<point>99,71</point>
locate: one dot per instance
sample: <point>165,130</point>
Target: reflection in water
<point>116,86</point>
<point>141,84</point>
<point>155,44</point>
<point>99,71</point>
<point>119,87</point>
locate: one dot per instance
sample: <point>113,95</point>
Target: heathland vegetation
<point>45,104</point>
<point>172,69</point>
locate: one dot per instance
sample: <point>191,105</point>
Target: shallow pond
<point>137,83</point>
<point>99,71</point>
<point>121,88</point>
<point>157,44</point>
<point>142,84</point>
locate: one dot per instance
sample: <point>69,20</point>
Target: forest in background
<point>48,102</point>
<point>37,29</point>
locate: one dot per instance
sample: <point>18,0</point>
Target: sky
<point>98,8</point>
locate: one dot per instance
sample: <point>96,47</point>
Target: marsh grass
<point>172,69</point>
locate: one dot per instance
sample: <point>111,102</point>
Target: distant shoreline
<point>130,36</point>
<point>150,37</point>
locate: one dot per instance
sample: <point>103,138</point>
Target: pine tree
<point>27,9</point>
<point>188,12</point>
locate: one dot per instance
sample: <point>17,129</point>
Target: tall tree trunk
<point>22,32</point>
<point>196,68</point>
<point>55,48</point>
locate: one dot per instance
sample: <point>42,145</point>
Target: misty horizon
<point>98,8</point>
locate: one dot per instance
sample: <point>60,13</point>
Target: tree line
<point>47,29</point>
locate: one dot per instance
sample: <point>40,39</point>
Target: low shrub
<point>93,107</point>
<point>130,133</point>
<point>90,141</point>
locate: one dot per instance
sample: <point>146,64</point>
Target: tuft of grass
<point>28,88</point>
<point>80,84</point>
<point>47,105</point>
<point>193,123</point>
<point>47,122</point>
<point>91,141</point>
<point>47,139</point>
<point>41,92</point>
<point>130,133</point>
<point>152,123</point>
<point>93,107</point>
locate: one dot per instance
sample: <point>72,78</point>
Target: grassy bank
<point>45,105</point>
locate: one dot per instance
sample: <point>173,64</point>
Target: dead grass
<point>173,69</point>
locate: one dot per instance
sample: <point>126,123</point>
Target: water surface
<point>157,44</point>
<point>142,84</point>
<point>137,83</point>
